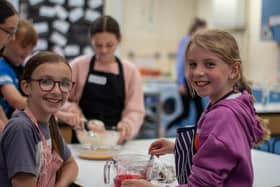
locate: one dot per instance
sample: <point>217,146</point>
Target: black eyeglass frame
<point>9,33</point>
<point>54,83</point>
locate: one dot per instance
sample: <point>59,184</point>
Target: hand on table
<point>161,146</point>
<point>124,131</point>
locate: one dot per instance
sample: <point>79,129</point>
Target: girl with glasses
<point>14,55</point>
<point>8,25</point>
<point>32,150</point>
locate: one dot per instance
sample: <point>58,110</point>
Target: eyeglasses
<point>49,84</point>
<point>9,33</point>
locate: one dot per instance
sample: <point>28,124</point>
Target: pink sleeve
<point>133,113</point>
<point>80,67</point>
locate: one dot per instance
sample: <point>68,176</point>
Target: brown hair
<point>32,64</point>
<point>26,34</point>
<point>196,24</point>
<point>226,48</point>
<point>105,24</point>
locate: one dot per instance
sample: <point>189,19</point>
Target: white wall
<point>151,26</point>
<point>262,55</point>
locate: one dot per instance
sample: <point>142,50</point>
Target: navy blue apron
<point>184,151</point>
<point>103,96</point>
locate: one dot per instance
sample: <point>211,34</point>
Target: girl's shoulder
<point>19,122</point>
<point>130,69</point>
<point>80,60</point>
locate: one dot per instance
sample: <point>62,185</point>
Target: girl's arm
<point>133,113</point>
<point>69,173</point>
<point>24,180</point>
<point>3,119</point>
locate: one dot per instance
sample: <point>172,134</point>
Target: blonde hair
<point>226,48</point>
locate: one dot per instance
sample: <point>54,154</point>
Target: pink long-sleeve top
<point>133,113</point>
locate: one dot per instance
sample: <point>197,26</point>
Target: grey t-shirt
<point>21,146</point>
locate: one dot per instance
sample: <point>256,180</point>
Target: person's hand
<point>96,126</point>
<point>74,120</point>
<point>182,89</point>
<point>137,183</point>
<point>161,146</point>
<point>124,131</point>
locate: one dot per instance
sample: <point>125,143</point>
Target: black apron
<point>103,96</point>
<point>184,151</point>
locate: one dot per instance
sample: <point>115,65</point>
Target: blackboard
<point>62,25</point>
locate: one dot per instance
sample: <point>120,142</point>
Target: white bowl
<point>107,138</point>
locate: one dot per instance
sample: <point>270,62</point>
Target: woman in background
<point>187,97</point>
<point>14,55</point>
<point>8,26</point>
<point>107,88</point>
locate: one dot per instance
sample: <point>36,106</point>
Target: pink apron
<point>51,161</point>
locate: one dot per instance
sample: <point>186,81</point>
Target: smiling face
<point>17,52</point>
<point>208,74</point>
<point>45,103</point>
<point>104,45</point>
<point>7,30</point>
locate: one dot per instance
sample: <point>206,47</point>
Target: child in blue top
<point>228,128</point>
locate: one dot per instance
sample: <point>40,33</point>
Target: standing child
<point>228,128</point>
<point>32,150</point>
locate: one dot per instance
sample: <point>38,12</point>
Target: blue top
<point>7,76</point>
<point>180,65</point>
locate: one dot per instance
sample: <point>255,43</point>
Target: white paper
<point>41,27</point>
<point>47,11</point>
<point>91,15</point>
<point>95,3</point>
<point>58,39</point>
<point>41,45</point>
<point>75,14</point>
<point>60,2</point>
<point>72,50</point>
<point>61,12</point>
<point>34,2</point>
<point>76,3</point>
<point>62,26</point>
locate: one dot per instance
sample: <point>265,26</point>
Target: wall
<point>262,55</point>
<point>156,26</point>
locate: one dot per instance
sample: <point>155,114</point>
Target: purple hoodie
<point>227,131</point>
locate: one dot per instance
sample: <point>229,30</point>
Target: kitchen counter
<point>267,108</point>
<point>266,166</point>
<point>270,111</point>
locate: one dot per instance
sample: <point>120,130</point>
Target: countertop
<point>266,166</point>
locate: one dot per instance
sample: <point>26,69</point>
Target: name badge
<point>97,79</point>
